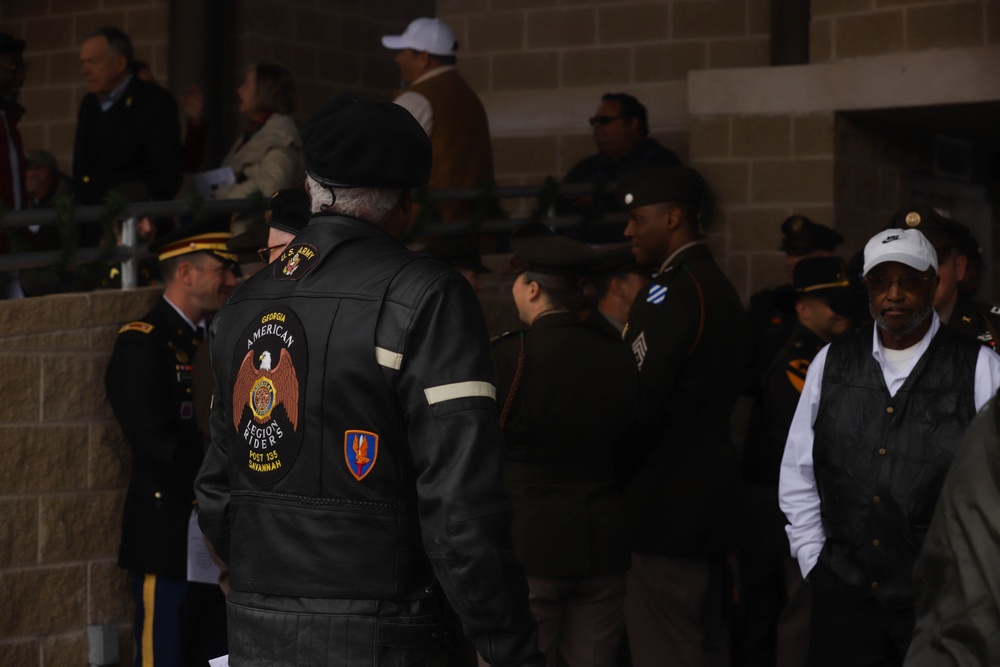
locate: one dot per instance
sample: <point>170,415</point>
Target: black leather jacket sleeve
<point>447,387</point>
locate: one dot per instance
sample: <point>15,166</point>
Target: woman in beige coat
<point>267,156</point>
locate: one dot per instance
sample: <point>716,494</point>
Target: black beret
<point>11,44</point>
<point>941,231</point>
<point>290,210</point>
<point>615,260</point>
<point>667,183</point>
<point>353,143</point>
<point>537,248</point>
<point>829,279</point>
<point>210,235</point>
<point>803,236</point>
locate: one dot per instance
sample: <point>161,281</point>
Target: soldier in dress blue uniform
<point>568,392</point>
<point>685,334</point>
<point>148,384</point>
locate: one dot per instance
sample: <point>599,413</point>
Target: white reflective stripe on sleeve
<point>388,358</point>
<point>448,392</point>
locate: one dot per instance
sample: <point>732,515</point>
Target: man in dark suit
<point>128,130</point>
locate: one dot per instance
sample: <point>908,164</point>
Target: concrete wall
<point>63,476</point>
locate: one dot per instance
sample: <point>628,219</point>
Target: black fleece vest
<point>880,460</point>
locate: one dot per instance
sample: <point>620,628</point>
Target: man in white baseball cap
<point>881,415</point>
<point>447,108</point>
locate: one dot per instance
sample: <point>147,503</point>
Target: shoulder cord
<point>701,312</point>
<point>514,385</point>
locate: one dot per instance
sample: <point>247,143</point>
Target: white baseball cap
<point>906,246</point>
<point>424,34</point>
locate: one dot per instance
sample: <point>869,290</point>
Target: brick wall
<point>852,28</point>
<point>63,476</point>
<point>54,30</point>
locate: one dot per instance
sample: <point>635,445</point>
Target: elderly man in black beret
<point>353,482</point>
<point>684,331</point>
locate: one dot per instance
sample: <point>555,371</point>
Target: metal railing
<point>131,250</point>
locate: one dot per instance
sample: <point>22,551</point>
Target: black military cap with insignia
<point>802,236</point>
<point>246,244</point>
<point>943,232</point>
<point>615,260</point>
<point>209,235</point>
<point>829,279</point>
<point>536,248</point>
<point>290,210</point>
<point>353,143</point>
<point>655,185</point>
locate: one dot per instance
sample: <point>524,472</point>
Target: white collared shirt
<point>797,492</point>
<point>194,327</point>
<point>417,104</point>
<point>115,95</point>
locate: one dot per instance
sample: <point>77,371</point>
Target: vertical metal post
<point>130,266</point>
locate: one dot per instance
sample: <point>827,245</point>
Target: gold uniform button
<point>876,500</point>
<point>188,390</point>
<point>882,451</point>
<point>157,495</point>
<point>876,543</point>
<point>874,585</point>
<point>889,409</point>
<point>86,179</point>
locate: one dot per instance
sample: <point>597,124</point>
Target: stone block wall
<point>63,476</point>
<point>541,66</point>
<point>54,31</point>
<point>842,29</point>
<point>761,170</point>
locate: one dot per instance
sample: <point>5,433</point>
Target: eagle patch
<point>268,381</point>
<point>360,452</point>
<point>295,261</point>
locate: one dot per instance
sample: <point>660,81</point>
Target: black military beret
<point>537,249</point>
<point>353,143</point>
<point>615,260</point>
<point>803,236</point>
<point>11,44</point>
<point>290,210</point>
<point>943,232</point>
<point>827,278</point>
<point>667,183</point>
<point>462,252</point>
<point>210,235</point>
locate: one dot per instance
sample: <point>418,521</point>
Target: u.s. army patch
<point>360,452</point>
<point>268,383</point>
<point>656,294</point>
<point>296,261</point>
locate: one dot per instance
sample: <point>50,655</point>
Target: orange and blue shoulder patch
<point>796,372</point>
<point>360,452</point>
<point>142,327</point>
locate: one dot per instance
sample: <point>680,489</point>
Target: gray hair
<point>372,204</point>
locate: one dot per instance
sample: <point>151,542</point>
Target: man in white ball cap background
<point>881,415</point>
<point>447,108</point>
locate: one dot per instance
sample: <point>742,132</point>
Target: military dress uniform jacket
<point>976,320</point>
<point>355,460</point>
<point>567,430</point>
<point>685,333</point>
<point>134,147</point>
<point>763,525</point>
<point>148,383</point>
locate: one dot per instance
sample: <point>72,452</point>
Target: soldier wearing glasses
<point>881,415</point>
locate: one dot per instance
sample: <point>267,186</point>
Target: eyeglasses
<point>265,253</point>
<point>602,120</point>
<point>883,283</point>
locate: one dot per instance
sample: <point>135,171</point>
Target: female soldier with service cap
<point>567,391</point>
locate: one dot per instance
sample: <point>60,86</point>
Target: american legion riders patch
<point>269,379</point>
<point>296,261</point>
<point>360,452</point>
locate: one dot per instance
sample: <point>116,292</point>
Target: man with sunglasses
<point>621,133</point>
<point>881,415</point>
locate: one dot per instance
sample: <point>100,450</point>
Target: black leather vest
<point>880,460</point>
